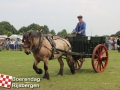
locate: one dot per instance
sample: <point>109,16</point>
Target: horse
<point>43,51</point>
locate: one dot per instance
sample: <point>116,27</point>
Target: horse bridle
<point>38,46</point>
<point>28,40</point>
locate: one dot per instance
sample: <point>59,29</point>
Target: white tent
<point>16,36</point>
<point>20,37</point>
<point>13,37</point>
<point>3,36</point>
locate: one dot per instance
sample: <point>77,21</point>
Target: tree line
<point>7,29</point>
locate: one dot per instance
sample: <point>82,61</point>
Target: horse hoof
<point>45,78</point>
<point>40,71</point>
<point>59,75</point>
<point>73,71</point>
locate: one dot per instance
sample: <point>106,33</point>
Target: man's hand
<point>79,32</point>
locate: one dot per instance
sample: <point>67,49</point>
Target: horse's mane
<point>35,34</point>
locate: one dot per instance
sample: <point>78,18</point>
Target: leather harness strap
<point>53,44</point>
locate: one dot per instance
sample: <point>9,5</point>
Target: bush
<point>0,49</point>
<point>9,34</point>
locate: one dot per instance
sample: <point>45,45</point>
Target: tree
<point>20,33</point>
<point>22,29</point>
<point>113,35</point>
<point>6,27</point>
<point>106,35</point>
<point>9,34</point>
<point>53,32</point>
<point>96,35</point>
<point>33,26</point>
<point>63,33</point>
<point>45,29</point>
<point>117,33</point>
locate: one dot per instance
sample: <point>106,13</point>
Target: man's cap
<point>79,16</point>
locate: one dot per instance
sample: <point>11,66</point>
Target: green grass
<point>18,64</point>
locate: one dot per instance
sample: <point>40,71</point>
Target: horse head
<point>26,42</point>
<point>32,41</point>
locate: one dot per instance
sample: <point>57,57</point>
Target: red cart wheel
<point>100,58</point>
<point>78,63</point>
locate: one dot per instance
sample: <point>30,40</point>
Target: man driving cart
<point>80,29</point>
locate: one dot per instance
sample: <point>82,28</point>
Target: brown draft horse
<point>42,51</point>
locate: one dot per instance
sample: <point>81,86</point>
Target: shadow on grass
<point>84,71</point>
<point>81,71</point>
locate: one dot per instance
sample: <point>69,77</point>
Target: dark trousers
<point>20,47</point>
<point>16,47</point>
<point>119,49</point>
<point>12,46</point>
<point>106,44</point>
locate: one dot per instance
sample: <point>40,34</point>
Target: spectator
<point>107,43</point>
<point>16,44</point>
<point>0,45</point>
<point>113,43</point>
<point>12,44</point>
<point>118,43</point>
<point>20,44</point>
<point>7,44</point>
<point>4,45</point>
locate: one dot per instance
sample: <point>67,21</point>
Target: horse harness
<point>52,43</point>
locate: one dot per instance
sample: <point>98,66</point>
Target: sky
<point>102,17</point>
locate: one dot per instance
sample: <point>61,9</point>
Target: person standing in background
<point>113,43</point>
<point>107,43</point>
<point>7,44</point>
<point>4,45</point>
<point>16,45</point>
<point>118,43</point>
<point>1,41</point>
<point>12,44</point>
<point>20,44</point>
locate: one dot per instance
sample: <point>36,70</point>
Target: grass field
<point>18,64</point>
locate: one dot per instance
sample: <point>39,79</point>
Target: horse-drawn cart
<point>89,47</point>
<point>43,49</point>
